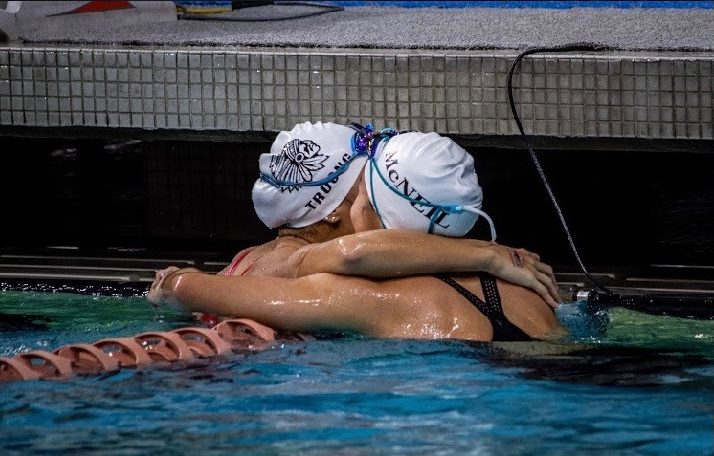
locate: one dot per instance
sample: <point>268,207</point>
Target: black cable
<point>323,9</point>
<point>675,305</point>
<point>240,4</point>
<point>534,157</point>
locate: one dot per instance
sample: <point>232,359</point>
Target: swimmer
<point>315,233</point>
<point>465,306</point>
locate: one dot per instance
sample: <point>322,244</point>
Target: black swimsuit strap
<point>503,329</point>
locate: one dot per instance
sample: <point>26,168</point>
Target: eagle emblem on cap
<point>296,164</point>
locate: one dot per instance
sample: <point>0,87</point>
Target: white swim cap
<point>306,175</point>
<point>425,182</point>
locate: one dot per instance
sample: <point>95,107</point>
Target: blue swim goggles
<point>439,209</point>
<point>360,143</point>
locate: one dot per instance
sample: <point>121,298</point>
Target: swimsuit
<point>237,261</point>
<point>210,319</point>
<point>503,329</point>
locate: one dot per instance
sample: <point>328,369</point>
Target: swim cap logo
<point>297,163</point>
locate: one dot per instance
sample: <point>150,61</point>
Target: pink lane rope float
<point>108,355</point>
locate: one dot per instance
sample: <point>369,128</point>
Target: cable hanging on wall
<point>677,305</point>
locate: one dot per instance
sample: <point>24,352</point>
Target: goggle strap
<point>478,211</point>
<point>371,190</point>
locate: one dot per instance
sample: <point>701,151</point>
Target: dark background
<point>624,208</point>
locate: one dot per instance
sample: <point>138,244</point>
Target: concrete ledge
<point>641,95</point>
<point>377,27</point>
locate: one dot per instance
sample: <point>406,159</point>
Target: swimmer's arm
<point>398,253</point>
<point>313,303</point>
<point>393,253</point>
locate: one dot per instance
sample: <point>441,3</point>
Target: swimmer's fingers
<point>541,284</point>
<point>171,269</point>
<point>542,290</point>
<point>539,266</point>
<point>540,279</point>
<point>547,270</point>
<point>544,275</point>
<point>524,268</point>
<point>160,275</point>
<point>526,276</point>
<point>532,261</point>
<point>552,295</point>
<point>155,294</point>
<point>528,254</point>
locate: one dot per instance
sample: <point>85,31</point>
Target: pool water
<point>626,384</point>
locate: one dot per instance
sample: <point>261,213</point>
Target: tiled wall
<point>627,95</point>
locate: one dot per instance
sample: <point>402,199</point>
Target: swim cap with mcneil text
<point>307,174</point>
<point>413,167</point>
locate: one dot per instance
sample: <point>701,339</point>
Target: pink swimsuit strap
<point>237,261</point>
<point>210,319</point>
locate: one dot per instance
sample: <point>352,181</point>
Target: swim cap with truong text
<point>307,174</point>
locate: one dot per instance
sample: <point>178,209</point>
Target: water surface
<point>626,384</point>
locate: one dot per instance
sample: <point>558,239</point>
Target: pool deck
<point>428,69</point>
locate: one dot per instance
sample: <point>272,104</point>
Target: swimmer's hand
<point>524,268</point>
<point>159,294</point>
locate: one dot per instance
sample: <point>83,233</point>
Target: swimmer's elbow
<point>320,285</point>
<point>352,256</point>
<point>342,301</point>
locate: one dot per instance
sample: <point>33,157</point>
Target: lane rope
<point>229,337</point>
